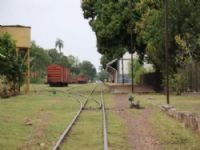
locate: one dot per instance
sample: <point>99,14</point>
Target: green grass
<point>49,114</point>
<point>117,133</point>
<point>117,130</point>
<point>171,134</point>
<point>87,132</point>
<point>182,103</point>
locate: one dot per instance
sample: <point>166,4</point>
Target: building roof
<point>111,62</point>
<point>112,65</point>
<point>19,26</point>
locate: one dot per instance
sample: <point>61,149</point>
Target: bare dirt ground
<point>140,133</point>
<point>39,124</point>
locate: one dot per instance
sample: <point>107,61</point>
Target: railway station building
<point>119,69</point>
<point>121,81</point>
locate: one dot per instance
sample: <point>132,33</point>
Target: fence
<point>192,73</point>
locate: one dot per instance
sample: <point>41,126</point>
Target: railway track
<point>104,122</point>
<point>81,98</point>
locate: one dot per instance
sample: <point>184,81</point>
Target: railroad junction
<point>130,82</point>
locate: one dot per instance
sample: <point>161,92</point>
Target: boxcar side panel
<point>58,75</point>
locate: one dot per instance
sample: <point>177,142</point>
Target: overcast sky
<point>52,19</point>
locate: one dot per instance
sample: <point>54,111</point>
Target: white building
<point>119,68</point>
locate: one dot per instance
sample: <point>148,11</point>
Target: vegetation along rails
<point>80,97</point>
<point>41,116</point>
<point>104,122</point>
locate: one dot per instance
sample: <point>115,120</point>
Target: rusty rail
<point>104,122</point>
<point>68,128</point>
<point>66,131</point>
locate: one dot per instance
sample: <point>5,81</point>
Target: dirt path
<point>34,139</point>
<point>141,135</point>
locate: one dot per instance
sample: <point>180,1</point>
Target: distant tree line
<point>13,67</point>
<point>41,58</point>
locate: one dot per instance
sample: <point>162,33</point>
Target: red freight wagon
<point>57,75</point>
<point>82,79</point>
<point>73,79</point>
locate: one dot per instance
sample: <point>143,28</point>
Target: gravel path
<point>140,133</point>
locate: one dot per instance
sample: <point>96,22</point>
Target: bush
<point>4,93</point>
<point>178,83</point>
<point>37,80</point>
<point>4,90</point>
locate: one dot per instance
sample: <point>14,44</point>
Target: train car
<point>82,79</point>
<point>58,75</point>
<point>73,79</point>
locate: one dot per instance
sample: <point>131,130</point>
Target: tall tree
<point>11,64</point>
<point>103,75</point>
<point>114,24</point>
<point>74,64</point>
<point>87,68</point>
<point>59,43</point>
<point>58,58</point>
<point>54,55</point>
<point>39,61</point>
<point>138,70</point>
<point>183,31</point>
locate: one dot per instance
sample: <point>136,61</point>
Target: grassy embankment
<point>47,113</point>
<point>182,103</point>
<point>171,133</point>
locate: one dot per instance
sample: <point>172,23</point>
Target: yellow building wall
<point>20,34</point>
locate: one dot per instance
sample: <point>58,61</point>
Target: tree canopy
<point>127,25</point>
<point>183,27</point>
<point>40,58</point>
<point>87,68</point>
<point>11,64</point>
<point>113,22</point>
<point>103,75</point>
<point>58,58</point>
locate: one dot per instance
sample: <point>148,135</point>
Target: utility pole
<point>166,51</point>
<point>132,72</point>
<point>122,63</point>
<point>131,47</point>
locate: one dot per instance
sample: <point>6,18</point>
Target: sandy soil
<point>140,133</point>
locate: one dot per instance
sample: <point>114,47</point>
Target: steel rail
<point>104,122</point>
<point>68,128</point>
<point>66,131</point>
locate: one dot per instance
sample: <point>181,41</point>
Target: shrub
<point>178,83</point>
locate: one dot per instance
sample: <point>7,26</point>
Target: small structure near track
<point>22,36</point>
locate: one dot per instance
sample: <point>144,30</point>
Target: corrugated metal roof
<point>111,62</point>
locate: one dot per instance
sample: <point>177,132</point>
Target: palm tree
<point>59,44</point>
